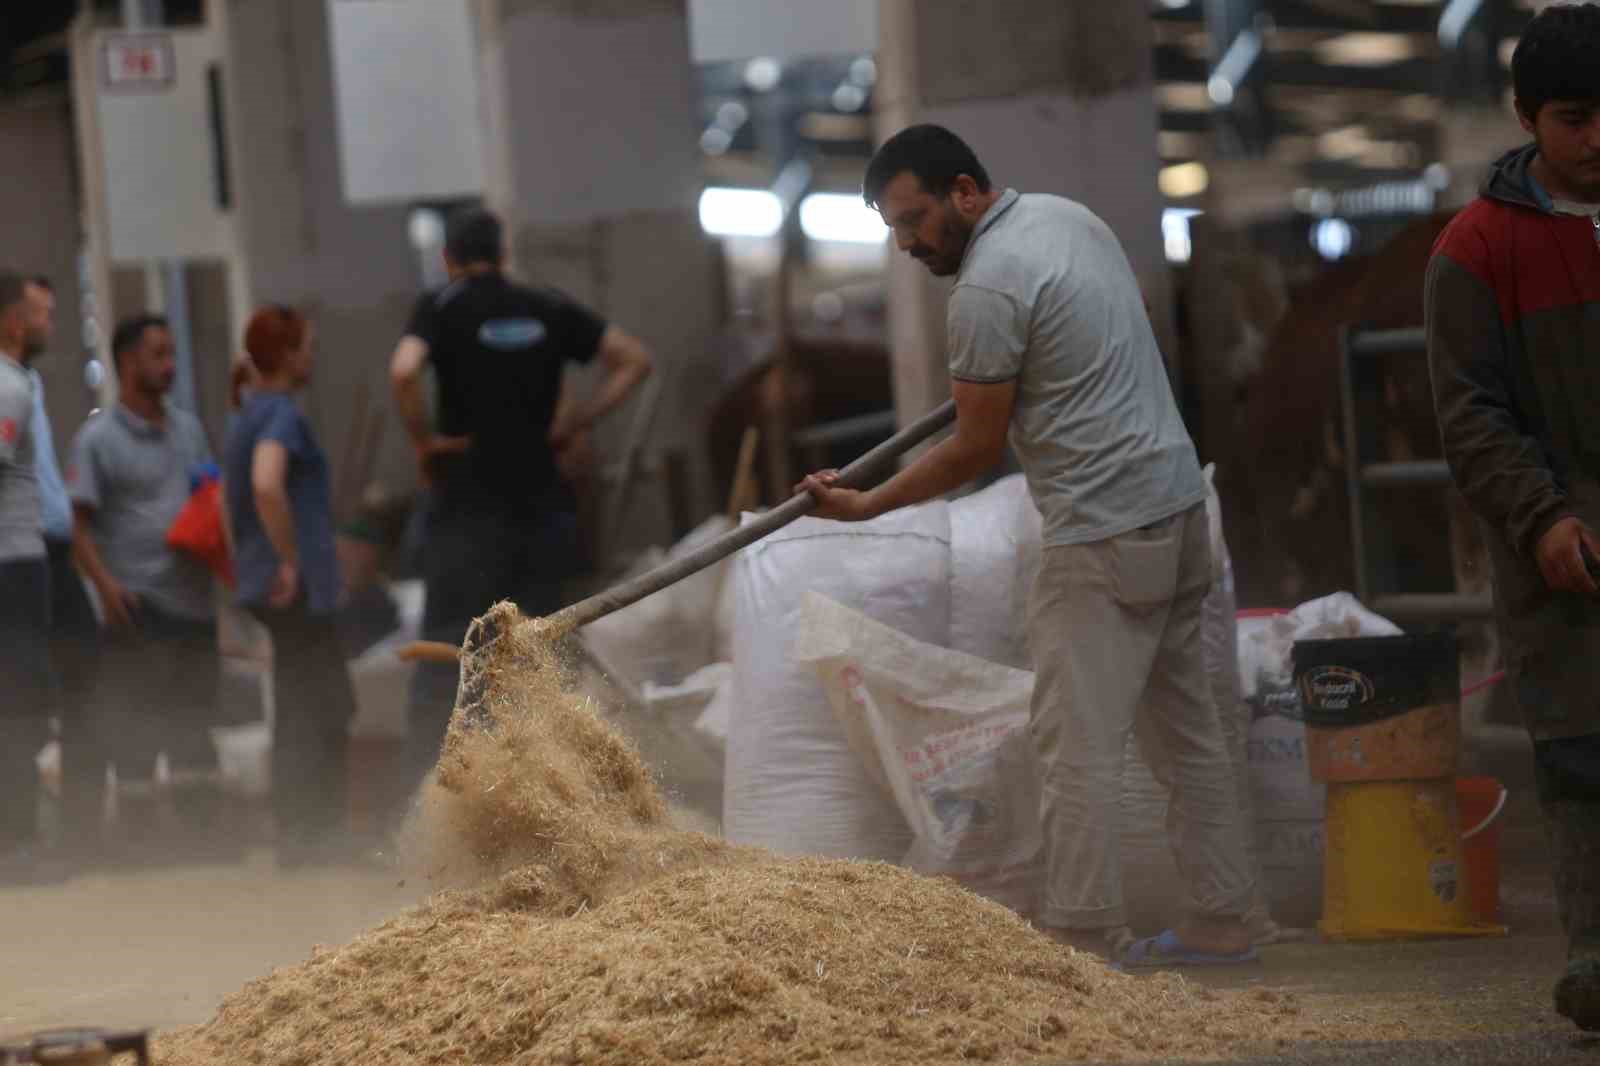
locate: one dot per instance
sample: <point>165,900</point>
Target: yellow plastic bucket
<point>1393,865</point>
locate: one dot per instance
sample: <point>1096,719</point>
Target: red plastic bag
<point>198,530</point>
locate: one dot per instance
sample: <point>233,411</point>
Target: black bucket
<point>1361,680</point>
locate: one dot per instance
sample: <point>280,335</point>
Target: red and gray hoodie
<point>1513,322</point>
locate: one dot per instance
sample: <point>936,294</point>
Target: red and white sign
<point>138,62</point>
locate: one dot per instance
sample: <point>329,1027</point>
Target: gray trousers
<point>1114,633</point>
<point>1568,774</point>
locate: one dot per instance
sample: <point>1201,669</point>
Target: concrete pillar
<point>1054,97</point>
<point>588,110</point>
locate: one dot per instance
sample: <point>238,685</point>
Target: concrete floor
<point>160,947</point>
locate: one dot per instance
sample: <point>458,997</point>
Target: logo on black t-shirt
<point>511,334</point>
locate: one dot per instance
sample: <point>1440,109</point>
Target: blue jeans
<point>314,702</point>
<point>155,689</point>
<point>471,559</point>
<point>1568,775</point>
<point>27,697</point>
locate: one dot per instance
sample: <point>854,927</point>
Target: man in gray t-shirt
<point>21,535</point>
<point>26,689</point>
<point>133,468</point>
<point>1050,344</point>
<point>20,527</point>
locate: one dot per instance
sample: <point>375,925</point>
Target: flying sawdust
<point>596,933</point>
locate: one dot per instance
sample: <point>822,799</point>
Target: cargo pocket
<point>1144,565</point>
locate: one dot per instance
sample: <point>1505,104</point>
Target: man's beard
<point>954,235</point>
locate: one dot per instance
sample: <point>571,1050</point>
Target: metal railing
<point>1378,575</point>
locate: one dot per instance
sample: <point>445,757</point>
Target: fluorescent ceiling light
<point>425,228</point>
<point>1235,65</point>
<point>832,216</point>
<point>1332,238</point>
<point>1346,142</point>
<point>1183,96</point>
<point>726,212</point>
<point>849,97</point>
<point>1175,233</point>
<point>763,74</point>
<point>1366,49</point>
<point>1183,180</point>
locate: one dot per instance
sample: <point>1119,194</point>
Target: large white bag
<point>995,540</point>
<point>793,784</point>
<point>670,634</point>
<point>947,734</point>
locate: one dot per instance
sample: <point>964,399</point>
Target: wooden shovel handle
<point>429,651</point>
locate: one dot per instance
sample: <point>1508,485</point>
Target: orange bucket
<point>1480,801</point>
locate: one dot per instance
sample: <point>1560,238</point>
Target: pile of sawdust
<point>608,937</point>
<point>763,961</point>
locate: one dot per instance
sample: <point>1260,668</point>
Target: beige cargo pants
<point>1114,632</point>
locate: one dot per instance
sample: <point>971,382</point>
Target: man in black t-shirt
<point>501,523</point>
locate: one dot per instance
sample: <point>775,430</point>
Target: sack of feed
<point>793,784</point>
<point>947,734</point>
<point>995,538</point>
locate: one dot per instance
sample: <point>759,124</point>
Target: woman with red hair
<point>281,506</point>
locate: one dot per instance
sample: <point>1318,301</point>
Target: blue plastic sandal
<point>1166,951</point>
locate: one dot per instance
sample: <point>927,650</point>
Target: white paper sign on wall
<point>137,62</point>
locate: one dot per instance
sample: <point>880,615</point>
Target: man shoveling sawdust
<point>1049,340</point>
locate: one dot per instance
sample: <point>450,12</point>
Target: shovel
<point>871,465</point>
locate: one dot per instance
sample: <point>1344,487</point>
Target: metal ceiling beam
<point>1419,75</point>
<point>1336,173</point>
<point>1382,127</point>
<point>1186,121</point>
<point>1384,18</point>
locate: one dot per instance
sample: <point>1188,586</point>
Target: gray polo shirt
<point>135,476</point>
<point>1046,297</point>
<point>20,537</point>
